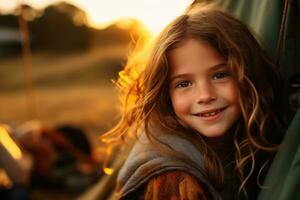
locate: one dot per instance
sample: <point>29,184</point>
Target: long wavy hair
<point>145,97</point>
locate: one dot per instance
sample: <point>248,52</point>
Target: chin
<point>212,133</point>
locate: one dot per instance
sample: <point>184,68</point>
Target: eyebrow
<point>212,68</point>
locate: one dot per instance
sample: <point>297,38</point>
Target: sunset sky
<point>155,14</point>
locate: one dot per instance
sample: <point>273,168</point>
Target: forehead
<point>193,54</point>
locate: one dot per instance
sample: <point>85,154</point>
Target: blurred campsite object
<point>15,167</point>
<point>59,153</point>
<point>16,163</point>
<point>36,159</point>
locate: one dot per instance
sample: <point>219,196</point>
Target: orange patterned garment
<point>172,185</point>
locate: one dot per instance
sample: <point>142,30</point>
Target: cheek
<point>180,104</point>
<point>231,92</point>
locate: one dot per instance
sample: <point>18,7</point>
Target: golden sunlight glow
<point>155,14</point>
<point>9,144</point>
<point>108,171</point>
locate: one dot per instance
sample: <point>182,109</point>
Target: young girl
<point>205,107</point>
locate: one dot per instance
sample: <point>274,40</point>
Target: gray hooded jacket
<point>146,161</point>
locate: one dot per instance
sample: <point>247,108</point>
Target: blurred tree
<point>9,36</point>
<point>9,21</point>
<point>60,28</point>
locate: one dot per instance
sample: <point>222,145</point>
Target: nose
<point>205,93</point>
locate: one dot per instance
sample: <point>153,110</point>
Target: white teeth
<point>210,114</point>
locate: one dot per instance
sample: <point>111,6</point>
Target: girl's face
<point>203,93</point>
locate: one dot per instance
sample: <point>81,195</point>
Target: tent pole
<point>27,68</point>
<point>281,31</point>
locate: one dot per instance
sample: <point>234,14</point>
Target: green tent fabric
<point>262,16</point>
<point>283,178</point>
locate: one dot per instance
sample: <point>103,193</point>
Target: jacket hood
<point>147,160</point>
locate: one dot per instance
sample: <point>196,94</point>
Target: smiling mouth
<point>210,113</point>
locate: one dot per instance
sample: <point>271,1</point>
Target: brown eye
<point>220,75</point>
<point>183,84</point>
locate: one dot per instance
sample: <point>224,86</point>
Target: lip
<point>209,115</point>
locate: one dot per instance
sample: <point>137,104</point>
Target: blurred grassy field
<point>74,88</point>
